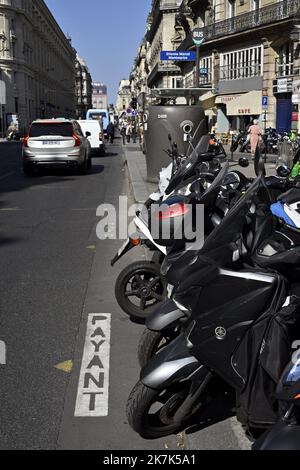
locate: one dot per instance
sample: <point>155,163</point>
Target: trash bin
<point>177,120</point>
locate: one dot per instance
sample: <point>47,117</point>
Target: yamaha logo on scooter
<point>220,332</point>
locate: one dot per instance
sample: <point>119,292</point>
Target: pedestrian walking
<point>128,132</point>
<point>111,132</point>
<point>134,132</point>
<point>254,134</point>
<point>123,132</point>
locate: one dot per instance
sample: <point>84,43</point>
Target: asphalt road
<point>54,274</point>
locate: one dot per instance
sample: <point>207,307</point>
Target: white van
<point>95,128</point>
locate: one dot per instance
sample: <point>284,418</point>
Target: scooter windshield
<point>188,167</point>
<point>231,227</point>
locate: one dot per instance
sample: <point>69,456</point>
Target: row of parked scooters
<point>270,141</point>
<point>222,316</point>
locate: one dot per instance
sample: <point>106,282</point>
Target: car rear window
<point>64,129</point>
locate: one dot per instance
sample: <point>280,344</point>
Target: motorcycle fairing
<point>164,317</point>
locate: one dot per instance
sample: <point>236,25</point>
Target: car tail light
<point>77,140</point>
<point>170,212</point>
<point>25,141</point>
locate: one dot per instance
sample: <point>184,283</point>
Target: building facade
<point>249,61</point>
<point>99,98</point>
<point>37,64</point>
<point>251,51</point>
<point>160,37</point>
<point>124,96</point>
<point>83,88</point>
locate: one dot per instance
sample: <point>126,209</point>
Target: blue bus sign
<point>178,55</point>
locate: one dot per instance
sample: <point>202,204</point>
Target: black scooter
<point>232,309</point>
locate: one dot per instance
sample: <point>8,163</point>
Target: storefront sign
<point>223,99</point>
<point>283,85</point>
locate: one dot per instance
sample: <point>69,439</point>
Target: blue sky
<point>106,33</point>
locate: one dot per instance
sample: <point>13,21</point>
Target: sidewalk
<point>136,162</point>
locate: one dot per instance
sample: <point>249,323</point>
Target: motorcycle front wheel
<point>140,288</point>
<point>151,412</point>
<point>152,342</point>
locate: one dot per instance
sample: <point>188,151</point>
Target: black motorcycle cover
<point>260,360</point>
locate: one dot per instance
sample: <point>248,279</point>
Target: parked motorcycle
<point>240,140</point>
<point>236,324</point>
<point>140,286</point>
<point>165,323</point>
<point>285,434</point>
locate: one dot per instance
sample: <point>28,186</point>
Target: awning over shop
<point>246,104</point>
<point>208,100</point>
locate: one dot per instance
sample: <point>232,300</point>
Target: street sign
<point>264,102</point>
<point>203,71</point>
<point>178,55</point>
<point>198,36</point>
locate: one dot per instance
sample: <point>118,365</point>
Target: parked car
<point>96,138</point>
<point>56,142</point>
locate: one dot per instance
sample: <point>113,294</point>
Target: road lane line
<point>93,386</point>
<point>6,175</point>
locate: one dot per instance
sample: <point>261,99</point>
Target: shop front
<point>237,111</point>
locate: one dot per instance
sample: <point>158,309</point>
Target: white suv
<point>56,142</point>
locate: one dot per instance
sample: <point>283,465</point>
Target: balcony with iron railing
<point>260,17</point>
<point>252,69</point>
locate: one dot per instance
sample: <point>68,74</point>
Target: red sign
<point>295,117</point>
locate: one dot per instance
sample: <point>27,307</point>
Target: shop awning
<point>246,104</point>
<point>208,100</point>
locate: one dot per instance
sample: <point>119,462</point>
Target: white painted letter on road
<point>93,387</point>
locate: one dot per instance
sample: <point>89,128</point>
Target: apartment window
<point>205,66</point>
<point>176,82</point>
<point>255,4</point>
<point>285,61</point>
<point>244,63</point>
<point>231,8</point>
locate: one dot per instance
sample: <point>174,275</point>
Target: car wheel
<point>89,163</point>
<point>83,167</point>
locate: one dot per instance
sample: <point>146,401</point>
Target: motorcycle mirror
<point>244,162</point>
<point>283,171</point>
<point>196,187</point>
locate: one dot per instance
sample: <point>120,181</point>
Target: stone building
<point>160,37</point>
<point>251,49</point>
<point>83,88</point>
<point>124,97</point>
<point>37,64</point>
<point>99,98</point>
